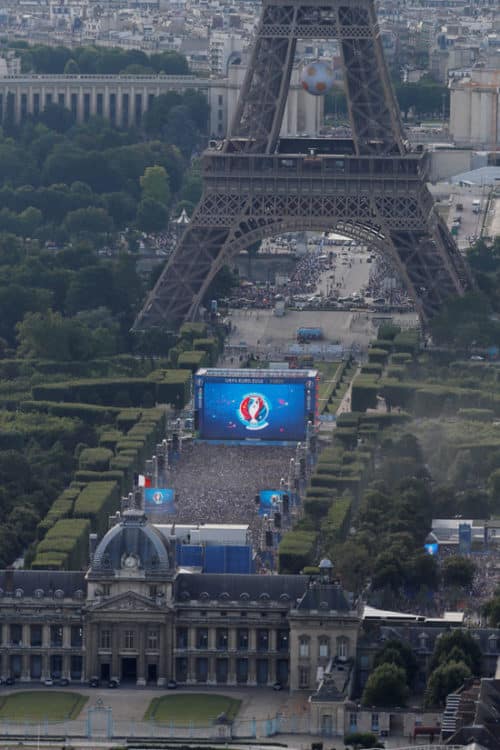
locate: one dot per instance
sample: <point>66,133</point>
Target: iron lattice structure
<point>256,185</point>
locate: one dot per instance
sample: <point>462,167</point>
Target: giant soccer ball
<point>317,78</point>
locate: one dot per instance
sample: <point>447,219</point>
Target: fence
<point>99,724</point>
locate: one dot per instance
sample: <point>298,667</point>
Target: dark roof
<point>47,581</point>
<point>225,587</point>
<point>423,636</point>
<point>485,727</point>
<point>132,535</point>
<point>327,597</point>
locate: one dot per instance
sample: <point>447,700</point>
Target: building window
<point>129,639</point>
<point>303,677</point>
<point>324,648</point>
<point>182,637</point>
<point>222,639</point>
<point>16,635</point>
<point>76,636</point>
<point>56,636</point>
<point>262,640</point>
<point>202,638</point>
<point>282,640</point>
<point>105,640</point>
<point>153,592</point>
<point>375,724</point>
<point>220,115</point>
<point>153,639</point>
<point>353,722</point>
<point>36,635</point>
<point>304,648</point>
<point>342,648</point>
<point>243,639</point>
<point>221,100</point>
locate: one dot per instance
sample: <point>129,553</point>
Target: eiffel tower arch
<point>370,187</point>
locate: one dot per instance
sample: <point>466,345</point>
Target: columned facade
<point>124,99</point>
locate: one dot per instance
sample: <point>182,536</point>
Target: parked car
<point>63,682</point>
<point>277,686</point>
<point>171,685</point>
<point>48,682</point>
<point>113,684</point>
<point>10,681</point>
<point>94,682</point>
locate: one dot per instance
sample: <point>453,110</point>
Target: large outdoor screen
<point>242,406</point>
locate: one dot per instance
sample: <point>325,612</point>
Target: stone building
<point>133,618</point>
<point>125,99</point>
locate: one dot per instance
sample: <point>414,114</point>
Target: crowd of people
<point>385,283</point>
<point>218,483</point>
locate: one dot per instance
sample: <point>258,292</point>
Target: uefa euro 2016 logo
<point>254,411</point>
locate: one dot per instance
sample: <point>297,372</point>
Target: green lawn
<point>41,704</point>
<point>198,708</point>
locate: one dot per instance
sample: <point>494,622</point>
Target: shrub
<point>296,550</point>
<point>364,394</point>
<point>95,459</point>
<point>97,501</point>
<point>192,360</point>
<point>69,537</point>
<point>377,355</point>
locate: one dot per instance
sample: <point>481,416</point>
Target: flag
<point>143,481</point>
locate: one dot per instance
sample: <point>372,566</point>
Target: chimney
<point>92,547</point>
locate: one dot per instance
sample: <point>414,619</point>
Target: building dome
<point>132,546</point>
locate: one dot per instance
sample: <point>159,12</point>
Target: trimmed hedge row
<point>97,501</point>
<point>68,537</point>
<point>95,459</point>
<point>161,386</point>
<point>89,413</point>
<point>296,550</point>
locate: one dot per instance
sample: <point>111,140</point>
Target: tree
<point>50,336</point>
<point>386,686</point>
<point>88,220</point>
<point>152,216</point>
<point>458,571</point>
<point>362,740</point>
<point>444,680</point>
<point>423,570</point>
<point>56,117</point>
<point>155,186</point>
<point>71,68</point>
<point>400,653</point>
<point>492,611</point>
<point>462,640</point>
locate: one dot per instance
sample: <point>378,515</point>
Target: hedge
<point>172,386</point>
<point>189,331</point>
<point>477,415</point>
<point>192,360</point>
<point>296,550</point>
<point>336,524</point>
<point>110,438</point>
<point>317,506</point>
<point>372,368</point>
<point>407,341</point>
<point>104,391</point>
<point>104,476</point>
<point>388,331</point>
<point>97,501</point>
<point>89,413</point>
<point>210,346</point>
<point>50,561</point>
<point>377,355</point>
<point>127,418</point>
<point>95,459</point>
<point>70,537</point>
<point>364,394</point>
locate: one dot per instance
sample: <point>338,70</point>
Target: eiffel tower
<point>371,187</point>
